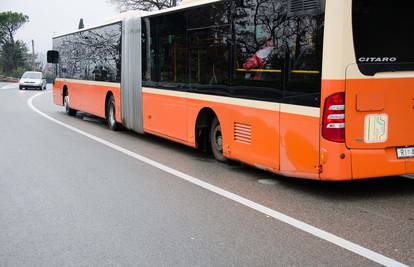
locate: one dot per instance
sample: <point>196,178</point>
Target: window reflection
<point>91,55</point>
<point>252,49</point>
<point>259,47</point>
<point>304,39</point>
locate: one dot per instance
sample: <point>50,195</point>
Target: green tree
<point>13,53</point>
<point>13,56</point>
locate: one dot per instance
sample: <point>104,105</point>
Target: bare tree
<point>145,5</point>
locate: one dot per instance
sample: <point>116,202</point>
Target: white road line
<point>9,86</point>
<point>324,235</point>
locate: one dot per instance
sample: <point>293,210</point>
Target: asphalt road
<point>67,200</point>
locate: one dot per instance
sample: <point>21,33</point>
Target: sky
<point>53,17</point>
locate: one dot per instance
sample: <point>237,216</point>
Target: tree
<point>10,22</point>
<point>81,26</point>
<point>13,57</point>
<point>13,53</point>
<point>145,5</point>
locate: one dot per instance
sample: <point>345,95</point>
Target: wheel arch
<point>202,127</point>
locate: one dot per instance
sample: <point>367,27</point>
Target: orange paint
<point>58,92</point>
<point>299,146</point>
<point>375,163</point>
<point>394,97</point>
<point>409,166</point>
<point>165,115</point>
<point>162,117</point>
<point>300,156</point>
<point>362,160</point>
<point>333,167</point>
<point>87,97</point>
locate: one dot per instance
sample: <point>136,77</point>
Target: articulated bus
<point>317,89</point>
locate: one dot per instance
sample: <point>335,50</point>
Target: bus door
<point>164,98</point>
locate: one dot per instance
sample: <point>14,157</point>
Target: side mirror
<point>52,56</point>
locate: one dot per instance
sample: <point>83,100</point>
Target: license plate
<point>405,152</point>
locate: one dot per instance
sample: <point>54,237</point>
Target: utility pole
<point>33,56</point>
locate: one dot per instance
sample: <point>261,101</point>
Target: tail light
<point>333,126</point>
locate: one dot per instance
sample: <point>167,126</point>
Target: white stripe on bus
<point>264,105</point>
<point>216,99</point>
<point>312,230</point>
<point>257,104</point>
<point>86,82</point>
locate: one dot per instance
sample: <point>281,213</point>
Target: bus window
<point>304,38</point>
<point>209,48</point>
<point>258,49</point>
<point>164,51</point>
<point>383,36</point>
<point>93,54</point>
<point>209,59</point>
<point>212,15</point>
<point>171,48</point>
<point>149,28</point>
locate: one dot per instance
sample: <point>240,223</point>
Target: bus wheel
<point>110,114</point>
<point>69,111</point>
<point>216,141</point>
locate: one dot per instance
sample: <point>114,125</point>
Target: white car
<point>32,79</point>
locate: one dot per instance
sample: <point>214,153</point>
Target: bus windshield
<point>383,35</point>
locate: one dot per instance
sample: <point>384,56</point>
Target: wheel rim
<point>66,102</point>
<point>112,114</point>
<point>218,138</point>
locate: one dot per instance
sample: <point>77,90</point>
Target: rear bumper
<point>378,163</point>
<point>339,163</point>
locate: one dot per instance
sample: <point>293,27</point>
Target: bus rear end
<point>368,114</point>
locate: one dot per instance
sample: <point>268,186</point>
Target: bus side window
<point>149,52</point>
<point>103,62</point>
<point>171,50</point>
<point>93,54</point>
<point>209,48</point>
<point>258,49</point>
<point>304,38</point>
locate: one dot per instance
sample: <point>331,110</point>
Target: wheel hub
<point>218,139</point>
<point>111,115</point>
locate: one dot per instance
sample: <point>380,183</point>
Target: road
<point>69,200</point>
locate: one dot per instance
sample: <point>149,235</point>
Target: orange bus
<point>318,89</point>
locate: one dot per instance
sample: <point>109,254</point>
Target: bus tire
<point>216,141</point>
<point>111,114</point>
<point>70,111</point>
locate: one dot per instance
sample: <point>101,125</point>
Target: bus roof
<point>139,13</point>
<point>183,5</point>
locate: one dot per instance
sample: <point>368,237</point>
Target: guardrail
<point>8,79</point>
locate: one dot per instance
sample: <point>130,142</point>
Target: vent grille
<point>305,7</point>
<point>242,133</point>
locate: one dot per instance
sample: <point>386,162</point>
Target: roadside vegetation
<point>15,57</point>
